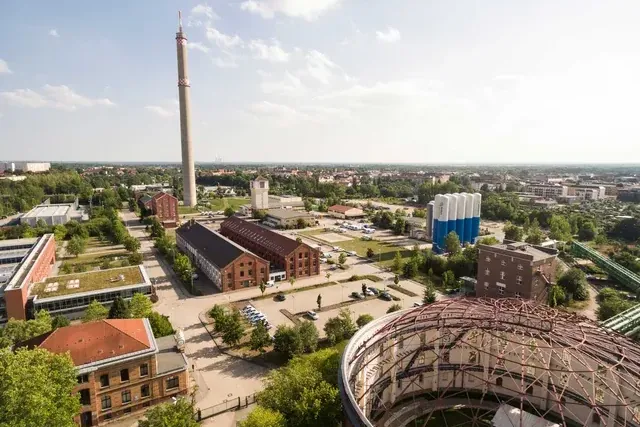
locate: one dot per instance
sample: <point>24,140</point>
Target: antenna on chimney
<point>179,21</point>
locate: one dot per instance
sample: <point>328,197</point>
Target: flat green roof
<point>87,282</point>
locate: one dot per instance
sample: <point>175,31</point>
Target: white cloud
<point>223,40</point>
<point>4,67</point>
<point>306,9</point>
<point>277,114</point>
<point>160,111</point>
<point>198,46</point>
<point>390,35</point>
<point>228,61</point>
<point>205,10</point>
<point>320,67</point>
<point>289,85</point>
<point>269,52</point>
<point>59,97</point>
<point>54,33</point>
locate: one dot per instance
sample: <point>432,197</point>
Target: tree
<point>429,296</point>
<point>95,311</point>
<point>394,307</point>
<point>76,245</point>
<point>140,306</point>
<point>399,225</point>
<point>411,268</point>
<point>59,232</point>
<point>160,325</point>
<point>131,244</point>
<point>179,413</point>
<point>287,341</point>
<point>299,239</point>
<point>606,293</point>
<point>105,265</point>
<point>342,258</point>
<point>263,287</point>
<point>232,329</point>
<point>182,266</point>
<point>396,280</point>
<point>119,309</point>
<point>229,211</point>
<point>259,338</point>
<point>308,336</point>
<point>319,301</point>
<point>452,243</point>
<point>513,232</point>
<point>560,229</point>
<point>587,231</point>
<point>259,214</point>
<point>490,240</point>
<point>535,236</point>
<point>572,279</point>
<point>397,263</point>
<point>216,312</point>
<point>556,296</point>
<point>263,417</point>
<point>448,279</point>
<point>16,331</point>
<point>340,328</point>
<point>370,253</point>
<point>134,258</point>
<point>37,385</point>
<point>612,306</point>
<point>301,223</point>
<point>59,322</point>
<point>363,319</point>
<point>627,229</point>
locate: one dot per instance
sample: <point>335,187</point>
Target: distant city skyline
<point>323,81</point>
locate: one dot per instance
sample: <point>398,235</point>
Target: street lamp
<point>293,299</point>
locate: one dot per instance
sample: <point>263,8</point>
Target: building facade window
<point>473,357</point>
<point>105,402</point>
<point>503,262</point>
<point>488,259</point>
<point>487,272</point>
<point>85,397</point>
<point>500,290</point>
<point>84,378</point>
<point>486,285</point>
<point>173,382</point>
<point>145,391</point>
<point>519,266</point>
<point>124,375</point>
<point>518,280</point>
<point>502,275</point>
<point>126,397</point>
<point>144,370</point>
<point>499,381</point>
<point>104,380</point>
<point>517,294</point>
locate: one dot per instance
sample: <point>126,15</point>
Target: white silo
<point>461,204</point>
<point>453,212</point>
<point>468,217</point>
<point>475,227</point>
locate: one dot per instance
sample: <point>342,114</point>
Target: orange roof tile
<point>95,341</point>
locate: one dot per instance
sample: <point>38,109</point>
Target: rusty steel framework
<point>477,354</point>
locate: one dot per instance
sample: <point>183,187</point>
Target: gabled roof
<point>340,208</point>
<point>145,199</point>
<point>212,245</point>
<point>96,341</point>
<point>162,194</point>
<point>269,240</point>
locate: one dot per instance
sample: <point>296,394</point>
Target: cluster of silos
<point>458,212</point>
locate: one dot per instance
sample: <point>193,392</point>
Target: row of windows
<point>72,302</point>
<point>145,391</point>
<point>124,375</point>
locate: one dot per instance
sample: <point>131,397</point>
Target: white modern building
<point>52,214</point>
<point>548,191</point>
<point>32,167</point>
<point>260,193</point>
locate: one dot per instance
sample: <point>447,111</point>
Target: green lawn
<point>94,242</point>
<point>312,232</point>
<point>94,260</point>
<point>90,281</point>
<point>233,202</point>
<point>384,252</point>
<point>187,210</point>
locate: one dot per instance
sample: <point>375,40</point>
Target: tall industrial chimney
<point>188,168</point>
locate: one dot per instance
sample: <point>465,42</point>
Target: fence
<point>228,405</point>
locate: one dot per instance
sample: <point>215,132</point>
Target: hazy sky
<point>323,80</point>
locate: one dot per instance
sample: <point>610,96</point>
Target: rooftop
<point>49,210</point>
<point>96,341</point>
<point>17,256</point>
<point>89,281</point>
<point>340,208</point>
<point>169,358</point>
<point>269,240</point>
<point>287,214</point>
<point>520,248</point>
<point>216,248</point>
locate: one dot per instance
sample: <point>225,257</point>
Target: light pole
<point>293,299</point>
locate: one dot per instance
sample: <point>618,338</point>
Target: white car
<point>312,314</point>
<point>369,292</point>
<point>417,304</point>
<point>352,253</point>
<point>270,283</point>
<point>337,248</point>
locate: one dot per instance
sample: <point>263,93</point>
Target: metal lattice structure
<point>474,355</point>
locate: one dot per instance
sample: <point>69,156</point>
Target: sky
<point>402,81</point>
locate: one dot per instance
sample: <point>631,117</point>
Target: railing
<point>228,405</point>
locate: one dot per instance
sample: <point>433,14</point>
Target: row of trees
<point>180,262</point>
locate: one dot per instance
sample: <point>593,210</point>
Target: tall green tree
<point>308,336</point>
<point>513,232</point>
<point>119,309</point>
<point>587,231</point>
<point>233,328</point>
<point>399,225</point>
<point>259,338</point>
<point>76,245</point>
<point>397,263</point>
<point>363,319</point>
<point>556,296</point>
<point>263,417</point>
<point>572,280</point>
<point>560,229</point>
<point>182,266</point>
<point>286,340</point>
<point>160,325</point>
<point>342,258</point>
<point>178,414</point>
<point>37,385</point>
<point>16,331</point>
<point>429,296</point>
<point>140,306</point>
<point>229,211</point>
<point>340,328</point>
<point>131,244</point>
<point>95,311</point>
<point>60,322</point>
<point>452,243</point>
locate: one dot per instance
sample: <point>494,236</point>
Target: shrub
<point>394,307</point>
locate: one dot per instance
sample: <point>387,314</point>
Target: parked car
<point>312,315</point>
<point>374,291</point>
<point>386,296</point>
<point>357,295</point>
<point>417,304</point>
<point>369,292</point>
<point>453,291</point>
<point>281,297</point>
<point>270,283</point>
<point>337,248</point>
<point>249,309</point>
<point>256,316</point>
<point>352,253</point>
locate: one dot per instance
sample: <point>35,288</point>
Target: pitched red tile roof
<point>95,341</point>
<point>159,195</point>
<point>269,240</point>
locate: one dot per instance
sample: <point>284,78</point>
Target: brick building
<point>121,367</point>
<point>23,262</point>
<point>515,270</point>
<point>165,207</point>
<point>227,264</point>
<point>296,259</point>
